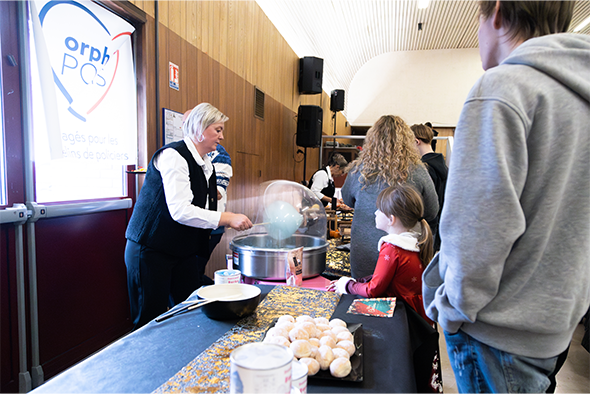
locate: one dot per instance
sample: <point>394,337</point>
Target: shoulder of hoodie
<point>515,81</point>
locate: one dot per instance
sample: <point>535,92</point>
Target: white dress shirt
<point>177,187</point>
<point>321,179</point>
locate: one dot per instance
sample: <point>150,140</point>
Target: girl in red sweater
<point>403,253</point>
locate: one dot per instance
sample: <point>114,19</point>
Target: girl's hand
<point>331,286</point>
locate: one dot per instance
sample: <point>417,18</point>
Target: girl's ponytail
<point>405,203</point>
<point>426,243</point>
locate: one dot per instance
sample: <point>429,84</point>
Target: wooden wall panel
<point>174,56</point>
<point>224,49</point>
<point>204,18</point>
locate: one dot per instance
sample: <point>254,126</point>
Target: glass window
<point>84,101</point>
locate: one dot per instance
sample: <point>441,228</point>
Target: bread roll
<point>337,322</point>
<point>277,332</point>
<point>314,342</point>
<point>321,320</point>
<point>323,327</point>
<point>285,325</point>
<point>338,329</point>
<point>312,365</point>
<point>325,357</point>
<point>298,333</point>
<point>278,340</point>
<point>304,318</point>
<point>328,333</point>
<point>348,346</point>
<point>309,327</point>
<point>301,348</point>
<point>314,351</point>
<point>340,367</point>
<point>286,318</point>
<point>344,336</point>
<point>328,341</point>
<point>339,352</point>
<point>317,333</point>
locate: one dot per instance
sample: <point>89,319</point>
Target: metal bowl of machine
<point>262,257</point>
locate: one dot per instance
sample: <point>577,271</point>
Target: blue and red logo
<point>84,55</point>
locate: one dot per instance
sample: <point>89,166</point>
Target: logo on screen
<point>83,55</point>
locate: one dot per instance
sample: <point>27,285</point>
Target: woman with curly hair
<point>389,157</point>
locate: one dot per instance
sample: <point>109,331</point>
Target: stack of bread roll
<point>318,342</point>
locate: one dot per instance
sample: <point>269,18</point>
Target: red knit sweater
<point>398,274</point>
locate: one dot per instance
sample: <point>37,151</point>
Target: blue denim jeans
<point>480,368</point>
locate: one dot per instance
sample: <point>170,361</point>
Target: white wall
<point>419,86</point>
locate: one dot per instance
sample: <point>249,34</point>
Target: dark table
<point>145,359</point>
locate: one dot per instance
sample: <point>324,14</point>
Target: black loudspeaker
<point>309,126</point>
<point>337,100</point>
<point>311,70</point>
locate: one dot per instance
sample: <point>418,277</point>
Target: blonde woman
<point>388,158</point>
<point>172,220</point>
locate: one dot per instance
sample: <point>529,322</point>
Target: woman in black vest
<point>173,217</point>
<point>322,181</point>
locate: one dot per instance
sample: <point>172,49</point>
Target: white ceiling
<point>349,33</point>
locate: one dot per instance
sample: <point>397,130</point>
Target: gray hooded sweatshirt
<point>514,266</point>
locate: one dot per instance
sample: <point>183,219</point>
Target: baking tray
<point>356,360</point>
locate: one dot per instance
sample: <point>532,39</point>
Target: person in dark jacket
<point>437,169</point>
<point>173,218</point>
<point>435,133</point>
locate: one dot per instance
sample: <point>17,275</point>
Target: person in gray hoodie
<point>512,278</point>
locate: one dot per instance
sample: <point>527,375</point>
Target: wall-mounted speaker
<point>309,126</point>
<point>337,100</point>
<point>311,71</point>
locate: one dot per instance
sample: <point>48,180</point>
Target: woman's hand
<point>237,221</point>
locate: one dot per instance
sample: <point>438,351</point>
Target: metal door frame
<point>27,213</point>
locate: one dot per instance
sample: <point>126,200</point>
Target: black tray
<point>356,360</point>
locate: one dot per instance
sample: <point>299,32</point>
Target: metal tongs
<point>190,305</point>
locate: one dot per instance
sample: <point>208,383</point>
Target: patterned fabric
<point>209,371</point>
<point>222,163</point>
<point>337,261</point>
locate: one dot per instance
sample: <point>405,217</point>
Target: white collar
<point>407,241</point>
<point>204,161</point>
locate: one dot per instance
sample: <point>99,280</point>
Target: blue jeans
<point>480,368</point>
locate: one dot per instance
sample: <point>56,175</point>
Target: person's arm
<point>223,172</point>
<point>320,181</point>
<point>382,277</point>
<point>429,195</point>
<point>347,189</point>
<point>482,217</point>
<point>177,189</point>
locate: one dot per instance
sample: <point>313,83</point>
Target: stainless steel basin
<point>260,256</point>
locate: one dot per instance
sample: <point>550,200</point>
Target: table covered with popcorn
<point>190,352</point>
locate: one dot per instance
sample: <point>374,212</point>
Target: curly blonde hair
<point>389,152</point>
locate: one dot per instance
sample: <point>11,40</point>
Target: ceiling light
<point>582,25</point>
<point>423,4</point>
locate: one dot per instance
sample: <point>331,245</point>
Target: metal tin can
<point>299,377</point>
<point>227,276</point>
<point>260,368</point>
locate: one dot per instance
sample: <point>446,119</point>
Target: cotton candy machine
<point>293,217</point>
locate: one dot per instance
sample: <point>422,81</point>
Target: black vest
<point>329,190</point>
<point>151,224</point>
